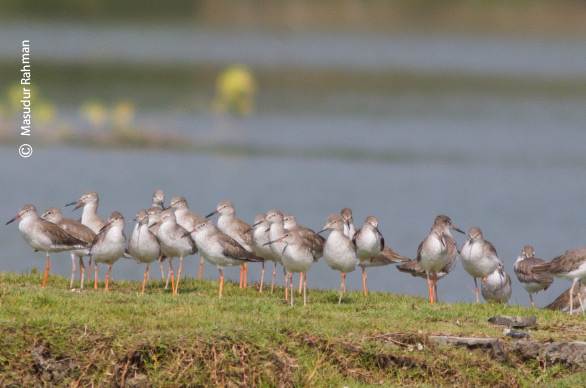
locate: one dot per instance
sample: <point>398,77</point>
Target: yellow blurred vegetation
<point>235,91</point>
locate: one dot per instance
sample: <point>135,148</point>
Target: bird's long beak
<point>105,227</point>
<point>378,231</point>
<point>456,229</point>
<point>274,241</point>
<point>254,226</point>
<point>14,219</point>
<point>211,214</point>
<point>188,233</point>
<point>79,204</point>
<point>323,230</point>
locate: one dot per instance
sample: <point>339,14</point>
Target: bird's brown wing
<point>236,251</point>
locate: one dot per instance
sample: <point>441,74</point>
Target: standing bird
<point>143,245</point>
<point>531,282</point>
<point>45,236</point>
<point>412,267</point>
<point>572,266</point>
<point>154,216</point>
<point>496,287</point>
<point>479,257</point>
<point>175,242</point>
<point>260,236</point>
<point>276,231</point>
<point>339,250</point>
<point>312,239</point>
<point>369,243</point>
<point>108,245</point>
<point>90,218</point>
<point>349,229</point>
<point>297,256</point>
<point>234,227</point>
<point>219,249</point>
<point>77,230</point>
<point>187,220</point>
<point>158,199</point>
<point>437,251</point>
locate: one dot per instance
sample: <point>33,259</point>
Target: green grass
<point>55,336</point>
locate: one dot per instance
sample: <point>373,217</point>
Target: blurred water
<point>513,164</point>
<point>187,44</point>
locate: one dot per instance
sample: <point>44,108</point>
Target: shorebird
<point>370,248</point>
<point>154,216</point>
<point>349,229</point>
<point>143,245</point>
<point>89,217</point>
<point>77,230</point>
<point>297,256</point>
<point>339,250</point>
<point>108,245</point>
<point>219,249</point>
<point>437,251</point>
<point>479,257</point>
<point>158,199</point>
<point>531,282</point>
<point>276,231</point>
<point>234,227</point>
<point>572,266</point>
<point>496,287</point>
<point>260,236</point>
<point>186,219</point>
<point>412,267</point>
<point>44,236</point>
<point>385,257</point>
<point>562,302</point>
<point>313,240</point>
<point>175,242</point>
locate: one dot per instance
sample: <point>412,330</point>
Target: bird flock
<point>164,234</point>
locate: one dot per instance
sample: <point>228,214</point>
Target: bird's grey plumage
<point>497,286</point>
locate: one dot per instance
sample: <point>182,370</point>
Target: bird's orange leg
<point>221,282</point>
<point>241,274</point>
<point>245,275</point>
<point>96,276</point>
<point>178,276</point>
<point>430,288</point>
<point>144,278</point>
<point>364,280</point>
<point>46,271</point>
<point>82,271</point>
<point>200,268</point>
<point>172,275</point>
<point>108,277</point>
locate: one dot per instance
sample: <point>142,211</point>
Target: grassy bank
<point>55,336</point>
